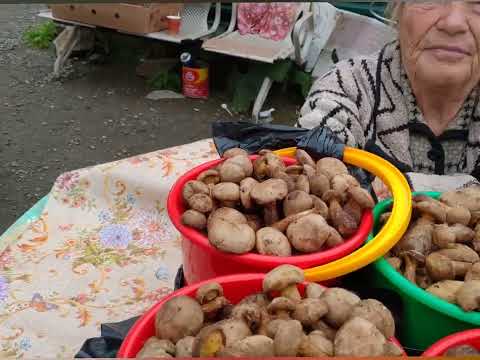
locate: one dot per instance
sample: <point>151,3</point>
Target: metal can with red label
<point>195,82</point>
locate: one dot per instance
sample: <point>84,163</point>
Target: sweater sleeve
<point>441,183</point>
<point>340,101</point>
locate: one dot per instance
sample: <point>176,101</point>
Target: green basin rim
<point>400,282</point>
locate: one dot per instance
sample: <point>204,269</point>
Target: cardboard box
<point>132,18</point>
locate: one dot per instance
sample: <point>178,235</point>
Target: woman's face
<point>440,42</point>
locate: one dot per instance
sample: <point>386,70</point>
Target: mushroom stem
<point>410,268</point>
<point>271,213</point>
<point>291,292</point>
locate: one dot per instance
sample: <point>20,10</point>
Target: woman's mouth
<point>449,53</point>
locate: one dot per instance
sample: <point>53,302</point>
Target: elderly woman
<point>416,102</point>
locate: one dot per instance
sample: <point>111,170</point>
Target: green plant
<point>166,80</point>
<point>40,36</point>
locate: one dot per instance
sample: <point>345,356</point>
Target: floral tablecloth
<point>102,251</point>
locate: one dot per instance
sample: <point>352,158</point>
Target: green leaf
<point>41,35</point>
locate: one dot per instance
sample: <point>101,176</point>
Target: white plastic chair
<point>254,47</point>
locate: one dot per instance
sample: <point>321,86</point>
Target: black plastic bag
<point>318,142</point>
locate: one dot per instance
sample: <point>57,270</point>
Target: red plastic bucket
<point>468,337</point>
<point>201,261</point>
<point>235,287</point>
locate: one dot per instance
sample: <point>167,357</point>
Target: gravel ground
<point>93,114</point>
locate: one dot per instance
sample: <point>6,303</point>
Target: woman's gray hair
<point>393,9</point>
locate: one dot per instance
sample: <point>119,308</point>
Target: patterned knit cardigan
<point>368,103</point>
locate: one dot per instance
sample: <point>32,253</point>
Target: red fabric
<point>270,20</point>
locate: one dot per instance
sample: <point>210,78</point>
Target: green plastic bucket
<point>425,317</point>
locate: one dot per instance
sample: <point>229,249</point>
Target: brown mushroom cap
<point>246,186</point>
<point>244,161</point>
<point>309,171</point>
<point>231,237</point>
<point>193,187</point>
<point>252,313</point>
<point>227,214</point>
<point>179,317</point>
<point>461,350</point>
<point>289,180</point>
<point>269,191</point>
<point>273,326</point>
<point>308,233</point>
<point>361,196</point>
<point>194,219</point>
<point>156,348</point>
<point>288,338</point>
<point>294,169</point>
<point>316,345</point>
<point>201,203</point>
<point>282,277</point>
<point>303,183</point>
<point>270,241</point>
<point>234,152</point>
<point>314,290</point>
<point>297,201</point>
<point>330,167</point>
<point>340,304</point>
<point>210,176</point>
<point>468,296</point>
<point>359,338</point>
<point>304,158</point>
<point>208,292</point>
<point>440,267</point>
<point>458,215</point>
<point>309,311</point>
<point>446,289</point>
<point>473,273</point>
<point>328,331</point>
<point>266,165</point>
<point>374,311</point>
<point>281,305</point>
<point>468,197</point>
<point>319,184</point>
<point>252,346</point>
<point>435,209</point>
<point>184,347</point>
<point>460,252</point>
<point>320,206</point>
<point>226,191</point>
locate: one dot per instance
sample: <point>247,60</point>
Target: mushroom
<point>319,184</point>
<point>353,209</point>
<point>340,303</point>
<point>442,236</point>
<point>395,262</point>
<point>210,176</point>
<point>434,208</point>
<point>297,201</point>
<point>320,206</point>
<point>461,350</point>
<point>284,278</point>
<point>270,241</point>
<point>267,193</point>
<point>476,239</point>
<point>446,289</point>
<point>458,215</point>
<point>227,214</point>
<point>316,345</point>
<point>246,186</point>
<point>304,158</point>
<point>473,273</point>
<point>345,223</point>
<point>288,338</point>
<point>273,326</point>
<point>281,308</point>
<point>235,169</point>
<point>266,164</point>
<point>252,346</point>
<point>303,184</point>
<point>342,182</point>
<point>201,203</point>
<point>440,267</point>
<point>361,196</point>
<point>179,317</point>
<point>193,187</point>
<point>254,314</point>
<point>226,192</point>
<point>418,237</point>
<point>234,152</point>
<point>310,232</point>
<point>195,219</point>
<point>231,236</point>
<point>314,290</point>
<point>184,347</point>
<point>360,338</point>
<point>468,296</point>
<point>462,233</point>
<point>460,252</point>
<point>294,170</point>
<point>309,311</point>
<point>330,167</point>
<point>157,348</point>
<point>467,197</point>
<point>309,170</point>
<point>285,222</point>
<point>210,296</point>
<point>410,267</point>
<point>375,312</point>
<point>212,339</point>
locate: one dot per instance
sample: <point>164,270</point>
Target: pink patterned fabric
<point>270,20</point>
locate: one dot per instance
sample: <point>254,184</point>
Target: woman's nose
<point>454,18</point>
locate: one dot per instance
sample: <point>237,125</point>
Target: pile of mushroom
<point>325,322</point>
<point>272,208</point>
<point>439,251</point>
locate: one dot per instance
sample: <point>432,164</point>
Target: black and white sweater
<point>369,104</point>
